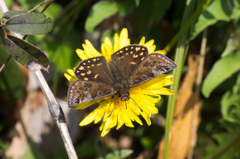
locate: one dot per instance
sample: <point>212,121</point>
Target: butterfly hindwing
<point>130,67</point>
<point>94,69</point>
<point>127,59</point>
<point>83,91</point>
<point>153,65</point>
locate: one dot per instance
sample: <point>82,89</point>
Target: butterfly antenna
<point>136,104</point>
<point>114,107</point>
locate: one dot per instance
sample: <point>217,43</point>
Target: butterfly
<point>129,67</point>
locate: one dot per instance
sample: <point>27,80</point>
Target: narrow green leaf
<point>28,55</point>
<point>232,46</point>
<point>98,13</point>
<point>12,13</point>
<point>218,10</point>
<point>29,24</point>
<point>221,70</point>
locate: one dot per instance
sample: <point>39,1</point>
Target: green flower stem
<point>180,56</point>
<point>201,7</point>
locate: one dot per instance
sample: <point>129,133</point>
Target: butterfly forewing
<point>94,69</point>
<point>127,59</point>
<point>83,91</point>
<point>153,65</point>
<point>130,67</point>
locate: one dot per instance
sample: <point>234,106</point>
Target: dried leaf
<point>28,55</point>
<point>186,117</point>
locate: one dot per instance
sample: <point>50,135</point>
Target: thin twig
<point>44,9</point>
<point>31,10</point>
<point>54,106</point>
<point>198,86</point>
<point>9,57</point>
<point>202,59</point>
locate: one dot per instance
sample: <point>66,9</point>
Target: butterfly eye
<point>116,85</point>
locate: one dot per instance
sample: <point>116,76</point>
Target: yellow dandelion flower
<point>125,80</point>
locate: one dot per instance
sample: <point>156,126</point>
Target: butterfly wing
<point>153,65</point>
<point>94,69</point>
<point>83,91</point>
<point>95,81</point>
<point>126,60</point>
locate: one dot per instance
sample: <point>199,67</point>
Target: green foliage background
<point>75,21</point>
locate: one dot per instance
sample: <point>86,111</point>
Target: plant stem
<point>36,7</point>
<point>2,67</point>
<point>201,7</point>
<point>180,56</point>
<point>54,107</point>
<point>44,9</point>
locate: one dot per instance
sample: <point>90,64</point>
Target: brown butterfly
<point>130,67</point>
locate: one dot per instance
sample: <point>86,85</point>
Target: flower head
<point>112,111</point>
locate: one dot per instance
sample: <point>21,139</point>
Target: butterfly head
<point>124,95</point>
<point>122,86</point>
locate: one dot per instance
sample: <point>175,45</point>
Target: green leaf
<point>12,13</point>
<point>29,23</point>
<point>98,13</point>
<point>119,154</point>
<point>11,77</point>
<point>230,104</point>
<point>28,55</point>
<point>218,10</point>
<point>226,144</point>
<point>232,45</point>
<point>221,70</point>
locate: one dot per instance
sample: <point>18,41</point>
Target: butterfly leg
<point>136,104</point>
